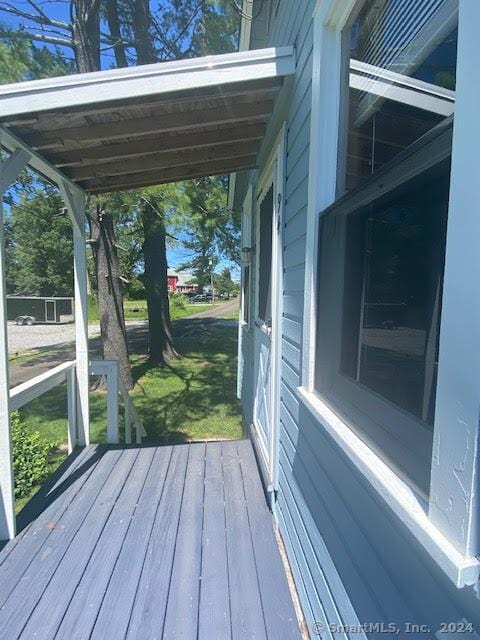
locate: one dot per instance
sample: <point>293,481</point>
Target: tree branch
<point>59,24</point>
<point>61,42</point>
<point>39,19</point>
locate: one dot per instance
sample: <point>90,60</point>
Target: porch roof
<point>134,127</point>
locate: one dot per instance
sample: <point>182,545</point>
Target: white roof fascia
<point>36,162</point>
<point>135,82</point>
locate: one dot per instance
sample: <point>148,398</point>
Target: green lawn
<point>191,398</point>
<point>137,310</point>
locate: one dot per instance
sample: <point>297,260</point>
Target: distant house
<point>181,282</point>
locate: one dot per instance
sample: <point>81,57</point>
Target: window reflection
<point>402,81</point>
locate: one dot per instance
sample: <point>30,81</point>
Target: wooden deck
<point>148,542</point>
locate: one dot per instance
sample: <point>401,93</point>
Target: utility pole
<point>210,262</point>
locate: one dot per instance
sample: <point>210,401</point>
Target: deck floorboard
<point>148,542</point>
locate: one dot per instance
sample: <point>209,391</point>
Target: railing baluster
<point>112,404</point>
<point>128,423</point>
<point>72,409</point>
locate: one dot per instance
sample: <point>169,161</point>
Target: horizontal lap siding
<point>351,558</point>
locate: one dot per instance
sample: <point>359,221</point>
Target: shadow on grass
<point>193,397</point>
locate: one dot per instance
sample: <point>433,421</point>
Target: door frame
<point>274,171</point>
<point>54,302</point>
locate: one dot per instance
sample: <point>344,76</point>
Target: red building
<point>181,282</point>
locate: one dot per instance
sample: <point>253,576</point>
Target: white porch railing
<point>24,393</point>
<point>115,387</point>
<point>66,372</point>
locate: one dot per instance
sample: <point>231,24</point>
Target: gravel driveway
<point>37,336</point>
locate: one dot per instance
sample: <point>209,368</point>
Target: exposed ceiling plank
<point>148,126</point>
<point>166,143</point>
<point>174,174</point>
<point>164,160</point>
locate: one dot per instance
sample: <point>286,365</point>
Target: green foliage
<point>21,60</point>
<point>224,284</point>
<point>31,457</point>
<point>135,290</point>
<point>178,301</point>
<point>40,246</point>
<point>210,230</point>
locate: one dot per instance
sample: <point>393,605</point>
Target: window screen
<point>265,258</point>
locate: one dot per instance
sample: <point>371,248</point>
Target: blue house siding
<point>352,559</point>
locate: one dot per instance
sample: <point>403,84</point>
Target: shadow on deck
<point>148,542</point>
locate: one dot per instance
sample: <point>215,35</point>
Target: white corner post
<point>330,18</point>
<point>9,170</point>
<point>455,488</point>
<point>75,201</point>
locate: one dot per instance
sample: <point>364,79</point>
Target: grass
<point>191,398</point>
<point>137,310</point>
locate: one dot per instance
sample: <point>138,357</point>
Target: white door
<point>267,308</point>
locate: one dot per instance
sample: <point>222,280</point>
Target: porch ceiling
<point>128,128</point>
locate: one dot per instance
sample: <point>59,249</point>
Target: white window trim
<point>246,257</point>
<point>446,527</point>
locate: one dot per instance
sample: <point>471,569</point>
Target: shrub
<point>31,457</point>
<point>178,301</point>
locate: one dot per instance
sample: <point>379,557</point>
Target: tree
<point>39,268</point>
<point>224,284</point>
<point>213,230</point>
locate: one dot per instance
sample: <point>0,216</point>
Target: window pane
<point>393,282</point>
<point>265,257</point>
<point>402,79</point>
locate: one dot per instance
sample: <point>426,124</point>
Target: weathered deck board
<point>245,602</point>
<point>108,558</point>
<point>149,542</point>
<point>214,613</point>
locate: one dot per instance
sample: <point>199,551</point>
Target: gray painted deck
<point>148,542</point>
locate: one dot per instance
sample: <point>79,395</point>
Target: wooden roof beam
<point>164,160</point>
<point>174,174</point>
<point>216,135</point>
<point>234,113</point>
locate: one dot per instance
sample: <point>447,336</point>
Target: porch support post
<point>9,170</point>
<point>75,202</point>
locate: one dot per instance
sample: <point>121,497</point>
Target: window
<point>265,258</point>
<point>382,243</point>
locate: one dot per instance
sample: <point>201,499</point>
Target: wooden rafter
<point>194,139</point>
<point>77,136</point>
<point>164,161</point>
<point>174,174</point>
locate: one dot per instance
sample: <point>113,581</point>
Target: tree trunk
<point>141,28</point>
<point>161,347</point>
<point>86,41</point>
<point>110,298</point>
<point>114,26</point>
<point>86,35</point>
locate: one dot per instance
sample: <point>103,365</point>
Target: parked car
<point>202,297</point>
